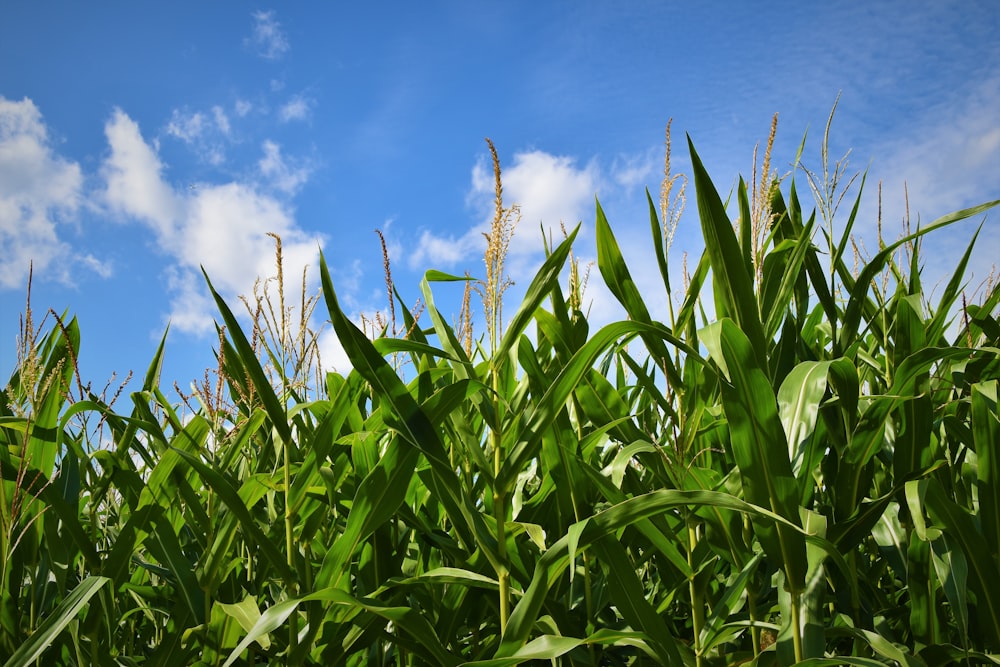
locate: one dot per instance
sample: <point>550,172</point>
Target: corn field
<point>798,466</point>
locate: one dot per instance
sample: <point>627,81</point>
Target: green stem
<point>289,543</point>
<point>206,585</point>
<point>588,597</point>
<point>855,596</point>
<point>754,619</point>
<point>503,574</point>
<point>500,513</point>
<point>697,601</point>
<point>796,612</point>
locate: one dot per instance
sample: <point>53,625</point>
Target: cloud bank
<point>40,195</point>
<point>222,228</point>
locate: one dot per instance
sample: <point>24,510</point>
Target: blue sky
<point>140,141</point>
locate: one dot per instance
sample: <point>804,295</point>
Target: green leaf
<point>59,350</point>
<point>627,513</point>
<point>730,602</point>
<point>248,361</point>
<point>759,445</point>
<point>629,598</point>
<point>47,631</point>
<point>247,614</point>
<point>540,287</point>
<point>859,288</point>
<point>799,398</point>
<point>232,500</point>
<point>546,647</point>
<point>378,496</point>
<point>619,281</point>
<point>547,407</point>
<point>404,415</point>
<point>953,572</point>
<point>407,619</point>
<point>962,531</point>
<point>782,275</point>
<point>986,439</point>
<point>732,280</point>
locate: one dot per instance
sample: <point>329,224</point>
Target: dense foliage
<point>809,475</point>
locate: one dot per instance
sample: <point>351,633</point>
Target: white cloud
<point>297,108</point>
<point>188,127</point>
<point>331,353</point>
<point>632,171</point>
<point>282,175</point>
<point>221,120</point>
<point>433,250</point>
<point>101,268</point>
<point>38,190</point>
<point>549,190</point>
<point>242,108</point>
<point>206,133</point>
<point>191,308</point>
<point>223,228</point>
<point>134,183</point>
<point>268,39</point>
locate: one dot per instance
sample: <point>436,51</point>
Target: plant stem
<point>796,612</point>
<point>290,557</point>
<point>697,603</point>
<point>754,619</point>
<point>500,514</point>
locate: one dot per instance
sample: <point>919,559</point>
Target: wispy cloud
<point>297,108</point>
<point>38,190</point>
<point>284,175</point>
<point>186,127</point>
<point>205,132</point>
<point>633,171</point>
<point>444,251</point>
<point>242,107</point>
<point>943,163</point>
<point>220,227</point>
<point>221,120</point>
<point>268,39</point>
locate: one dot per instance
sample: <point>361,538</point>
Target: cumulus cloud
<point>549,190</point>
<point>133,176</point>
<point>223,228</point>
<point>191,308</point>
<point>268,39</point>
<point>38,191</point>
<point>331,352</point>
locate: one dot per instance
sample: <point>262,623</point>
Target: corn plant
<point>799,466</point>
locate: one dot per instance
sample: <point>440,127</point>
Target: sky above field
<point>140,142</point>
